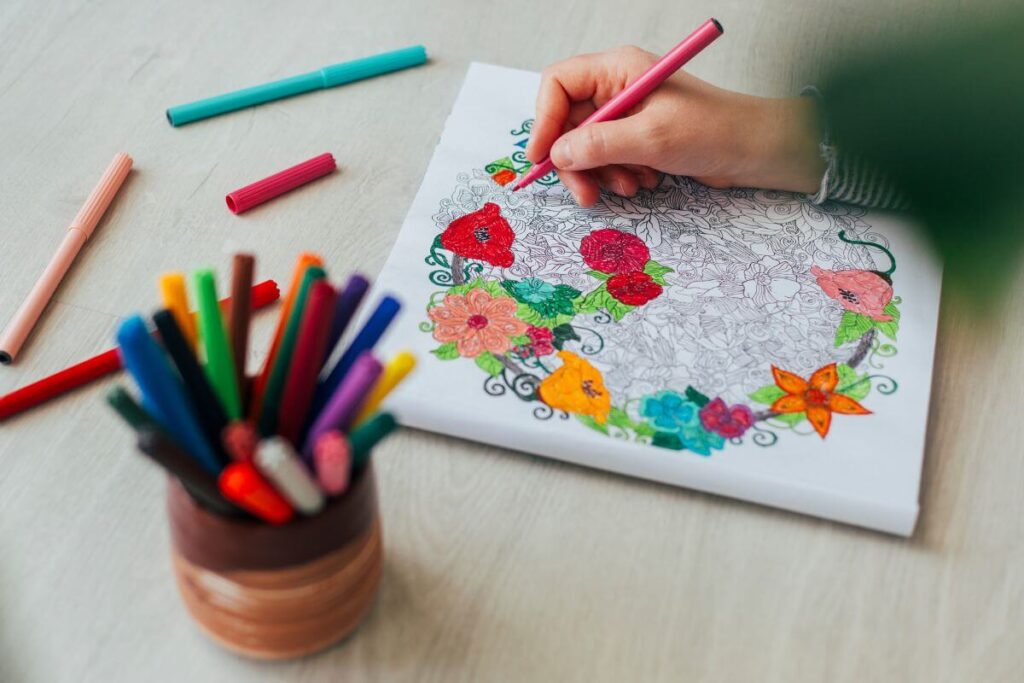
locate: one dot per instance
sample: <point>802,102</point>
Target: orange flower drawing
<point>815,397</point>
<point>577,387</point>
<point>477,322</point>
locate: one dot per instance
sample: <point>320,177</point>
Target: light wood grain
<point>498,566</point>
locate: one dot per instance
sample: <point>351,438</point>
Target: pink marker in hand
<point>636,91</point>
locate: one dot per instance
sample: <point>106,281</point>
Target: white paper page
<point>733,294</point>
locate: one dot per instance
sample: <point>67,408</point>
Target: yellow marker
<point>400,365</point>
<point>175,298</point>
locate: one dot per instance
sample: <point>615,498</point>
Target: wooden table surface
<point>498,566</point>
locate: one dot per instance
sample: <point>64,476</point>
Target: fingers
<point>648,177</point>
<point>562,84</point>
<point>618,179</point>
<point>582,186</point>
<point>603,144</point>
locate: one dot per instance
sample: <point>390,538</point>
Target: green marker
<point>220,362</point>
<point>327,77</point>
<point>367,435</point>
<point>130,410</point>
<point>283,360</point>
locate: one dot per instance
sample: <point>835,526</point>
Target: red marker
<point>242,484</point>
<point>19,400</point>
<point>240,440</point>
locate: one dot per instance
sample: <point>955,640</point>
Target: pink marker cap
<point>332,457</point>
<point>261,191</point>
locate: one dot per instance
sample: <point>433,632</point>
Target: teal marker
<point>327,77</point>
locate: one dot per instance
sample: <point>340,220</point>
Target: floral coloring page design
<point>741,341</point>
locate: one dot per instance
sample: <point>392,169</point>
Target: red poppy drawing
<point>483,235</point>
<point>614,251</point>
<point>633,289</point>
<point>861,291</point>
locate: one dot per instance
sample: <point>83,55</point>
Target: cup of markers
<point>272,503</point>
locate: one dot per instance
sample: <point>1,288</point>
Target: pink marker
<point>332,457</point>
<point>659,72</point>
<point>261,191</point>
<point>78,233</point>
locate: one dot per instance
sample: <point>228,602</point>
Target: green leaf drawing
<point>563,333</point>
<point>852,327</point>
<point>520,339</point>
<point>617,309</point>
<point>593,424</point>
<point>645,429</point>
<point>790,419</point>
<point>531,317</point>
<point>446,351</point>
<point>618,418</point>
<point>593,301</point>
<point>489,363</point>
<point>694,396</point>
<point>889,328</point>
<point>599,275</point>
<point>851,384</point>
<point>492,287</point>
<point>657,272</point>
<point>768,394</point>
<point>668,440</point>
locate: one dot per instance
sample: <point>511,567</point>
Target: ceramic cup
<point>277,592</point>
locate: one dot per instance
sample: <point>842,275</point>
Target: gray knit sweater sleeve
<point>850,179</point>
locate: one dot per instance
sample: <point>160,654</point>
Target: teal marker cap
<point>327,77</point>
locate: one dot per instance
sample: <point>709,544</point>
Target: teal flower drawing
<point>677,421</point>
<point>543,297</point>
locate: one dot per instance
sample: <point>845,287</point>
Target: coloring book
<point>743,342</point>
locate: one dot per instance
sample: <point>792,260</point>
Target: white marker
<point>277,461</point>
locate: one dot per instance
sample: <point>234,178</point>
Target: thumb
<point>601,144</point>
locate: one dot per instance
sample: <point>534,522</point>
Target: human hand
<point>685,127</point>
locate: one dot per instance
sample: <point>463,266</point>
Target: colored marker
<point>279,375</point>
<point>332,459</point>
<point>241,483</point>
<point>345,309</point>
<point>78,233</point>
<point>363,438</point>
<point>162,392</point>
<point>175,298</point>
<point>365,340</point>
<point>327,77</point>
<point>306,361</point>
<point>397,369</point>
<point>240,440</point>
<point>198,482</point>
<point>304,261</point>
<point>220,365</point>
<point>130,410</point>
<point>262,191</point>
<point>344,405</point>
<point>207,406</point>
<point>276,460</point>
<point>240,315</point>
<point>643,86</point>
<point>91,369</point>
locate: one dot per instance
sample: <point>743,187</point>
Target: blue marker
<point>327,77</point>
<point>162,391</point>
<point>365,340</point>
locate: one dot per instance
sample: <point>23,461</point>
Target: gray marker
<point>277,461</point>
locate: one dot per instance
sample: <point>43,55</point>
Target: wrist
<point>786,146</point>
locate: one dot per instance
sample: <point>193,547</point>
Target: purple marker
<point>345,403</point>
<point>344,310</point>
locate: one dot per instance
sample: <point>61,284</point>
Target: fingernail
<point>561,154</point>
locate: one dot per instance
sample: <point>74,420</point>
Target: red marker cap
<point>242,484</point>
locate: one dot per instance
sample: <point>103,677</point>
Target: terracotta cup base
<point>279,592</point>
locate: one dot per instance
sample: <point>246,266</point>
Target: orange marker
<point>259,384</point>
<point>242,484</point>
